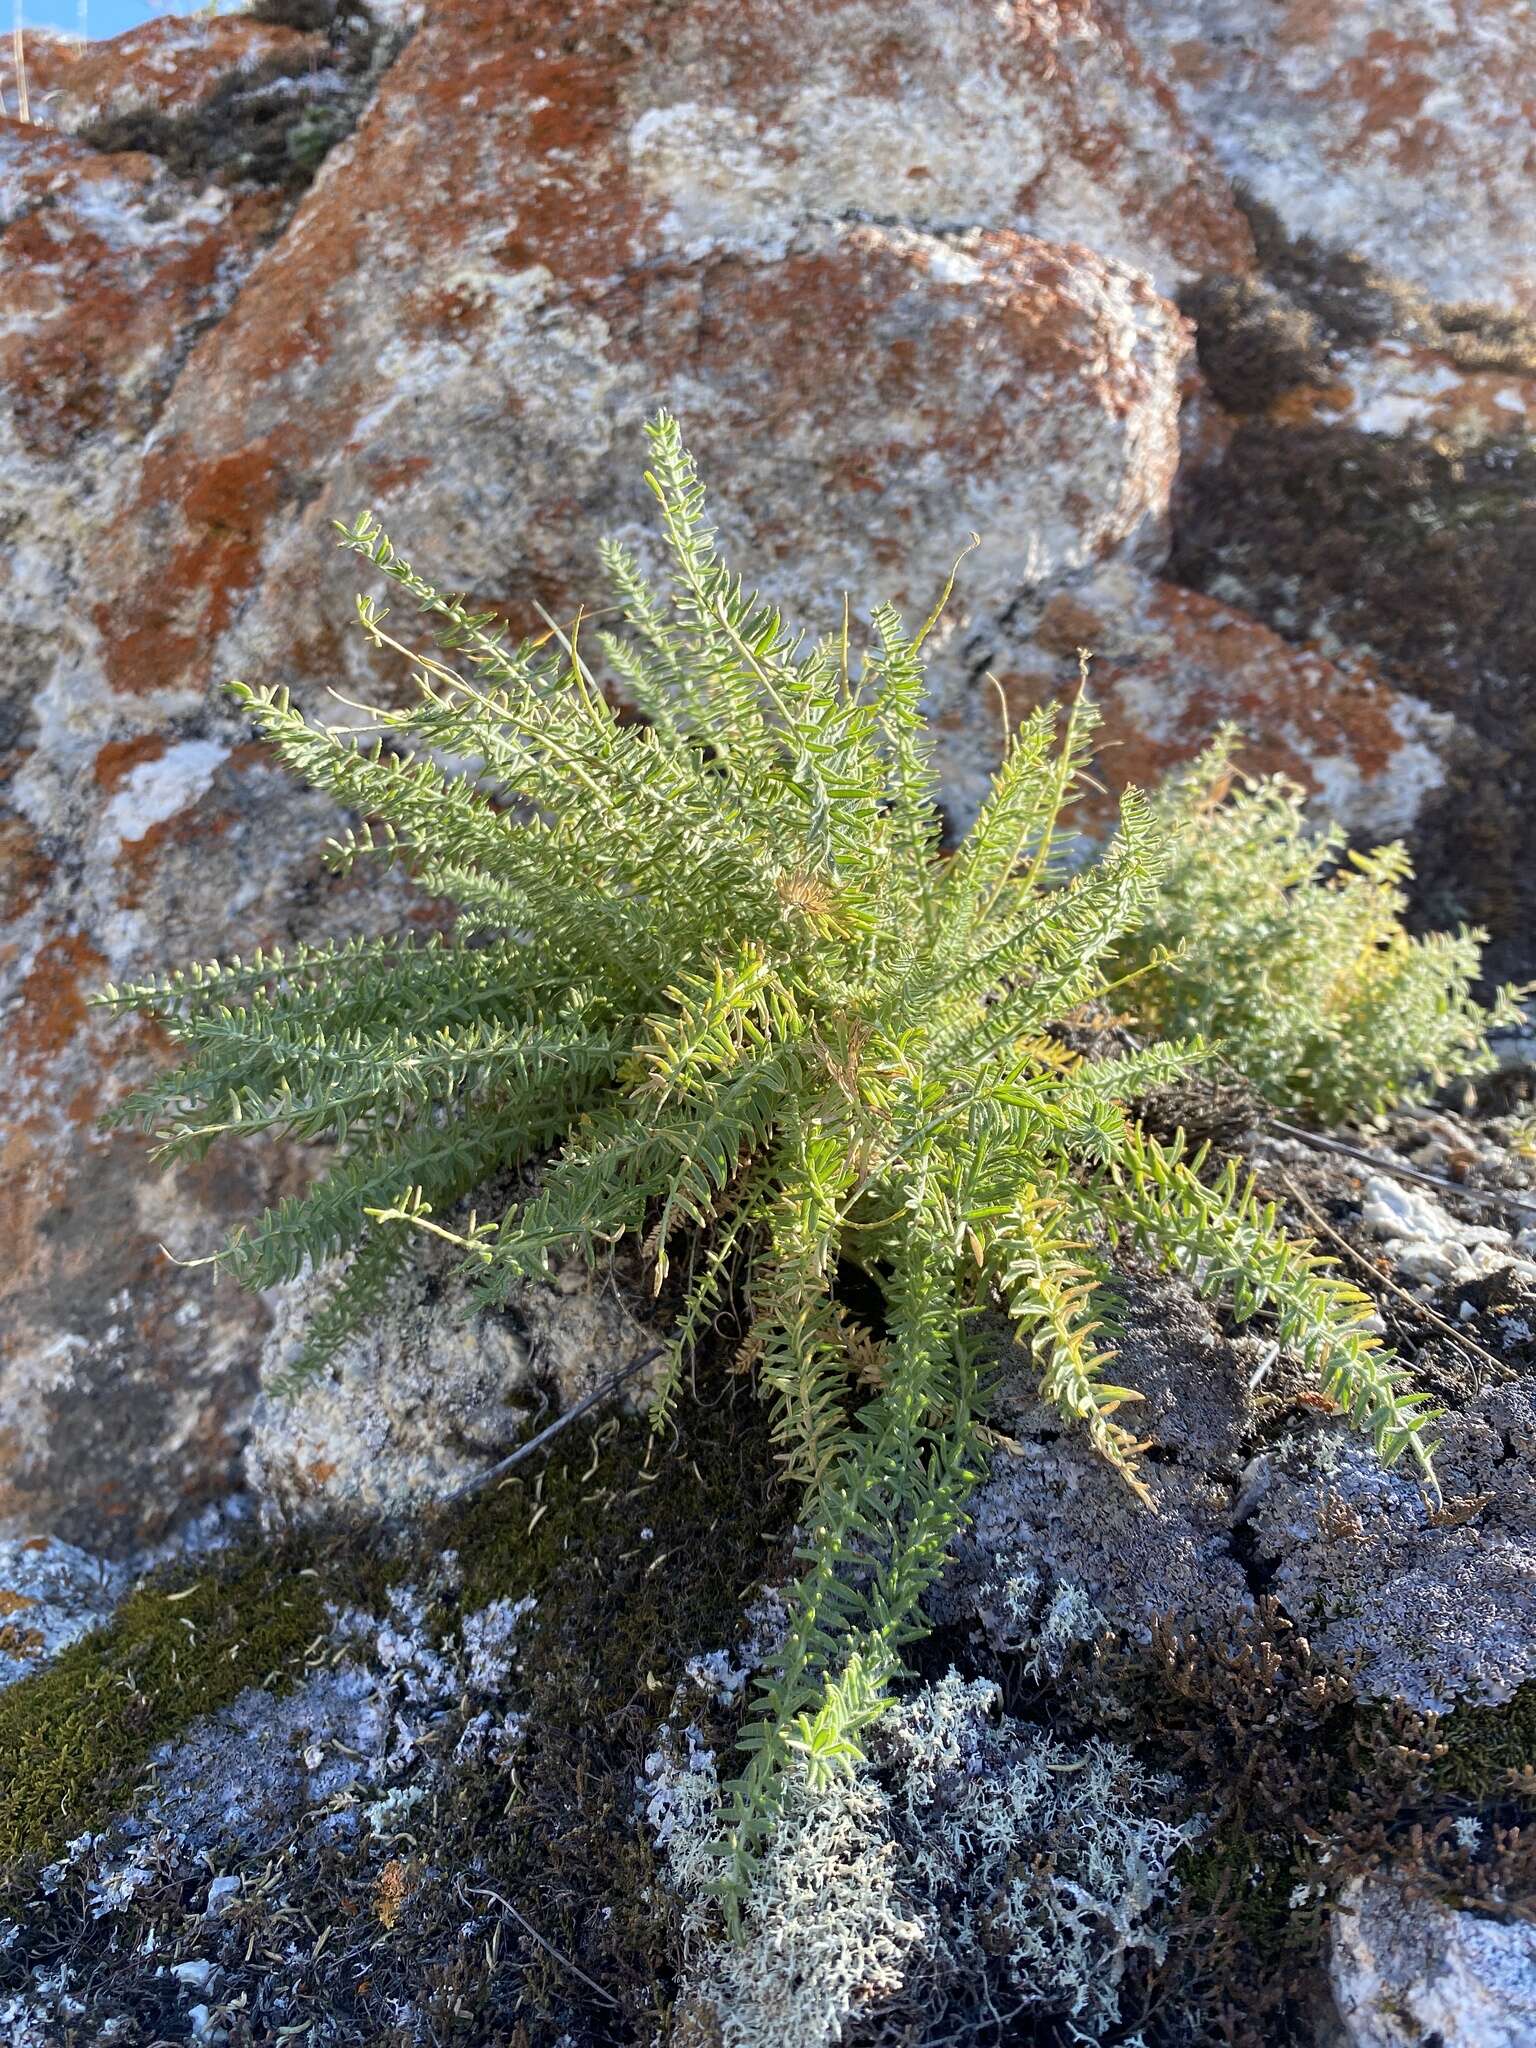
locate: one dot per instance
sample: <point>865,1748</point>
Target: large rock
<point>869,366</point>
<point>481,296</point>
<point>1403,134</point>
<point>901,270</point>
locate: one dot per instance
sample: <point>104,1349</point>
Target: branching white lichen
<point>1042,1623</point>
<point>974,1856</point>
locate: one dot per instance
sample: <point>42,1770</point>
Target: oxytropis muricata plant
<point>716,965</point>
<point>1289,954</point>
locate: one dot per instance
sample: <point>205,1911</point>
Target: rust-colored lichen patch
<point>52,998</point>
<point>223,508</point>
<point>1171,666</point>
<point>97,311</point>
<point>397,1880</point>
<point>118,758</point>
<point>24,868</point>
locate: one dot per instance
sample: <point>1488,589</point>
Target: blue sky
<point>102,17</point>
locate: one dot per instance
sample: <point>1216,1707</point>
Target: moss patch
<point>275,123</point>
<point>73,1736</point>
<point>639,1562</point>
<point>1490,1751</point>
<point>638,1556</point>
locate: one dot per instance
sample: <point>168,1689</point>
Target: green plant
<point>1294,962</point>
<point>718,961</point>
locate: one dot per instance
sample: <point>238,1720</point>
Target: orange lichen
<point>1202,666</point>
<point>224,505</point>
<point>52,1008</point>
<point>118,758</point>
<point>24,867</point>
<point>393,1890</point>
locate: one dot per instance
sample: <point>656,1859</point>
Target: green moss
<point>74,1736</point>
<point>1232,1875</point>
<point>1487,1747</point>
<point>638,1554</point>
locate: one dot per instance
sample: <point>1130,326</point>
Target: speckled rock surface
<point>1407,1972</point>
<point>431,1393</point>
<point>1071,1526</point>
<point>1406,135</point>
<point>1368,490</point>
<point>1427,1603</point>
<point>124,1380</point>
<point>1431,1604</point>
<point>50,1593</point>
<point>168,65</point>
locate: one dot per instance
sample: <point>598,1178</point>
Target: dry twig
<point>1488,1198</point>
<point>547,1435</point>
<point>1421,1308</point>
<point>484,1892</point>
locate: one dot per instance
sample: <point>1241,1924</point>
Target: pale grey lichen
<point>388,1814</point>
<point>488,1637</point>
<point>1421,1607</point>
<point>973,1864</point>
<point>1039,1622</point>
<point>51,1593</point>
<point>1051,1857</point>
<point>829,1926</point>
